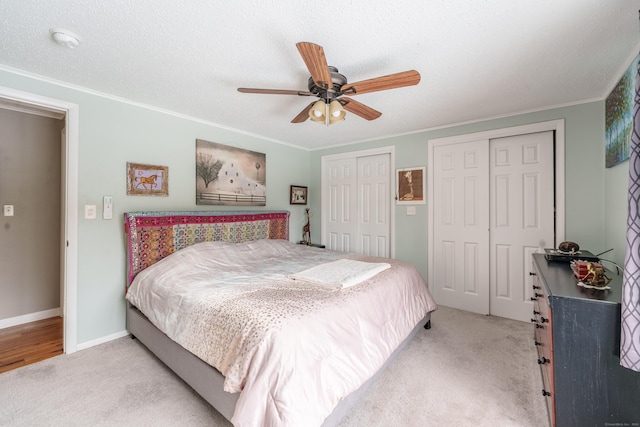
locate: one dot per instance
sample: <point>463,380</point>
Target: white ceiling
<point>478,59</point>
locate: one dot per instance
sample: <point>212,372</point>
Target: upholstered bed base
<point>208,381</point>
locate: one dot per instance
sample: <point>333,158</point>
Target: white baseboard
<point>102,340</point>
<point>27,318</point>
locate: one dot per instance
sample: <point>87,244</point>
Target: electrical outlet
<point>411,210</point>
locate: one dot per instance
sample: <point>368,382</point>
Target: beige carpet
<point>468,370</point>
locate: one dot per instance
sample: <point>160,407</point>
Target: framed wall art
<point>410,186</point>
<point>147,180</point>
<point>298,195</point>
<point>228,175</point>
<point>619,117</point>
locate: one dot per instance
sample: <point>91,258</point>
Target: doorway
<point>27,102</point>
<point>493,201</point>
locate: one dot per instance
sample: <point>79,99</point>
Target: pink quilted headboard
<point>151,236</point>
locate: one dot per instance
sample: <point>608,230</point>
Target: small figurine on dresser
<point>590,275</point>
<point>306,230</point>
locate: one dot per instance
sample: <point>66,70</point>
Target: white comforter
<point>292,349</point>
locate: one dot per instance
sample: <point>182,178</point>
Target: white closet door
<point>373,184</point>
<point>522,217</point>
<point>340,214</point>
<point>356,203</point>
<point>461,225</point>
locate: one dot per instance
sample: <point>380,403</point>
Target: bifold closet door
<point>522,218</point>
<point>461,225</point>
<point>493,208</point>
<point>373,190</point>
<point>341,182</point>
<point>357,216</point>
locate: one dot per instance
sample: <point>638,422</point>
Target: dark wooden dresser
<point>577,334</point>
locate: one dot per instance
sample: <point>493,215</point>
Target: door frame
<point>69,224</point>
<point>390,150</point>
<point>552,125</point>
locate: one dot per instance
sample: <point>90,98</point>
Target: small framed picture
<point>147,180</point>
<point>410,186</point>
<point>298,195</point>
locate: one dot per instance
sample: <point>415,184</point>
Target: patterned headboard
<point>151,236</point>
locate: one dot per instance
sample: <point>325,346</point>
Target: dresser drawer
<point>543,336</point>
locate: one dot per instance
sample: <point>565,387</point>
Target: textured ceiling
<point>478,59</point>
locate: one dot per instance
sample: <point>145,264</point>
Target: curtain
<point>630,321</point>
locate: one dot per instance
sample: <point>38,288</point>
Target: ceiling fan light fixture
<point>336,112</point>
<point>318,113</point>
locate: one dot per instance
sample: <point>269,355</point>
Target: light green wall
<point>113,133</point>
<point>584,167</point>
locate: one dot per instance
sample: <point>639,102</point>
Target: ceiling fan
<point>331,87</point>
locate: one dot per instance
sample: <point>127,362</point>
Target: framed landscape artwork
<point>228,175</point>
<point>619,117</point>
<point>298,195</point>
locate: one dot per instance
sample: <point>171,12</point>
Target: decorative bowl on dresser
<point>577,335</point>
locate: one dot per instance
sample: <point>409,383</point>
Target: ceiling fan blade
<point>392,81</point>
<point>359,109</point>
<point>316,62</point>
<point>304,114</point>
<point>274,91</point>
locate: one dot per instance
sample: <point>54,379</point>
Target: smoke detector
<point>65,38</point>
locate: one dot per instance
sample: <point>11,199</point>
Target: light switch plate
<point>89,211</point>
<point>107,207</point>
<point>7,210</point>
<point>411,210</point>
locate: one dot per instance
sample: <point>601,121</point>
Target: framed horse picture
<point>147,180</point>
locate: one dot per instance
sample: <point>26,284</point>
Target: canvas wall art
<point>227,175</point>
<point>619,117</point>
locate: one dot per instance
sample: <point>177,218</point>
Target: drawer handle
<point>543,360</point>
<point>536,287</point>
<point>537,343</point>
<point>544,320</point>
<point>534,320</point>
<point>535,312</point>
<point>539,326</point>
<point>545,393</point>
<point>531,273</point>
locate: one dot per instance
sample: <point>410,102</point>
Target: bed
<point>269,332</point>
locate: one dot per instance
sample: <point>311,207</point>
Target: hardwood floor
<point>29,343</point>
